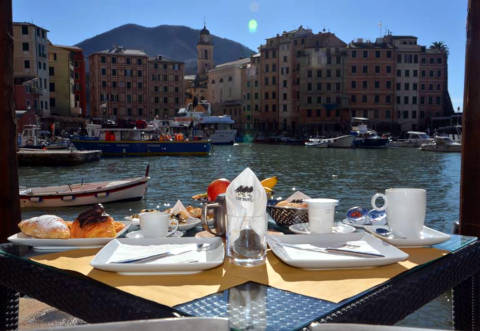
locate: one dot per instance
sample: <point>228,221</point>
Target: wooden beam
<point>9,202</point>
<point>470,177</point>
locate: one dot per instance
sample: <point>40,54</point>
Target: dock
<point>65,157</point>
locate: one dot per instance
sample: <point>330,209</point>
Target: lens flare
<point>252,26</point>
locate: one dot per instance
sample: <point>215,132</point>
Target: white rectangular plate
<point>63,244</point>
<point>318,260</point>
<point>428,237</point>
<point>190,262</point>
<point>186,225</point>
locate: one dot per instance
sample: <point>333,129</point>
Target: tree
<point>440,45</point>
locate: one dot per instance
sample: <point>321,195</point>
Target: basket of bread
<point>290,211</point>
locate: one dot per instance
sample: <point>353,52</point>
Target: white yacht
<point>316,142</point>
<point>202,125</point>
<point>413,139</point>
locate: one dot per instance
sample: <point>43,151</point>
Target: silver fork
<point>200,247</point>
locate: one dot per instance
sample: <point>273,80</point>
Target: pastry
<point>45,227</point>
<point>195,212</point>
<point>94,223</point>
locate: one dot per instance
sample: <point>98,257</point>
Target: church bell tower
<point>204,53</point>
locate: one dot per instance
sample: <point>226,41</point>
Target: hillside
<point>176,42</point>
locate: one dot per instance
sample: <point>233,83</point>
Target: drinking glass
<point>246,242</point>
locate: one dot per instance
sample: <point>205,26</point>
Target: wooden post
<point>9,202</point>
<point>470,177</point>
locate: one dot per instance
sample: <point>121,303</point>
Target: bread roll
<point>288,204</point>
<point>45,227</point>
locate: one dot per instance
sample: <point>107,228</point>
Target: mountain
<point>172,41</point>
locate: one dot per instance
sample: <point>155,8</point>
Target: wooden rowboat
<point>84,193</point>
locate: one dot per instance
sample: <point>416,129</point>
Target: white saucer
<point>139,235</point>
<point>428,237</point>
<point>304,228</point>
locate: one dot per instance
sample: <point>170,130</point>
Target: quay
<point>37,157</point>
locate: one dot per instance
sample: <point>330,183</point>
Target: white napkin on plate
<point>126,251</point>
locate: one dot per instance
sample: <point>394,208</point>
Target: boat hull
<point>38,157</point>
<point>134,190</point>
<point>341,142</point>
<point>370,142</point>
<point>144,148</point>
<point>454,148</point>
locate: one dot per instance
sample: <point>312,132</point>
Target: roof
<point>204,30</point>
<point>403,37</point>
<point>71,48</point>
<point>238,62</point>
<point>28,23</point>
<point>122,51</point>
<point>163,59</point>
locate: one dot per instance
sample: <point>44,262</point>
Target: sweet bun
<point>94,223</point>
<point>45,227</point>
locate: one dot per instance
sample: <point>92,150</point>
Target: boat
<point>56,157</point>
<point>34,138</point>
<point>202,125</point>
<point>364,137</point>
<point>128,189</point>
<point>316,142</point>
<point>442,144</point>
<point>345,141</point>
<point>138,142</point>
<point>413,139</point>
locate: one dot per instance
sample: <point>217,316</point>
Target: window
<point>365,54</point>
<point>319,86</point>
<point>414,100</point>
<point>337,73</point>
<point>139,72</point>
<point>405,114</point>
<point>439,60</point>
<point>329,87</point>
<point>114,84</point>
<point>319,99</point>
<point>377,69</point>
<point>104,71</point>
<point>377,84</point>
<point>52,87</point>
<point>364,84</point>
<point>309,86</point>
<point>103,59</point>
<point>376,98</point>
<point>354,70</point>
<point>284,83</point>
<point>266,95</point>
<point>274,80</point>
<point>309,73</point>
<point>398,100</point>
<point>405,100</point>
<point>104,83</point>
<point>25,47</point>
<point>354,98</point>
<point>438,87</point>
<point>165,99</point>
<point>388,99</point>
<point>438,100</point>
<point>139,61</point>
<point>388,84</point>
<point>389,69</point>
<point>329,73</point>
<point>309,113</point>
<point>407,73</point>
<point>337,86</point>
<point>266,80</point>
<point>309,99</point>
<point>165,89</point>
<point>114,72</point>
<point>399,58</point>
<point>415,58</point>
<point>129,98</point>
<point>399,73</point>
<point>407,86</point>
<point>284,59</point>
<point>266,108</point>
<point>377,53</point>
<point>439,73</point>
<point>354,84</point>
<point>26,64</point>
<point>129,85</point>
<point>274,107</point>
<point>422,101</point>
<point>364,98</point>
<point>365,69</point>
<point>431,73</point>
<point>24,29</point>
<point>114,59</point>
<point>354,53</point>
<point>284,96</point>
<point>389,54</point>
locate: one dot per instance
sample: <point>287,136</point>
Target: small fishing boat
<point>128,189</point>
<point>413,139</point>
<point>442,144</point>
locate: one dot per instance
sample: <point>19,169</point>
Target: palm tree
<point>440,45</point>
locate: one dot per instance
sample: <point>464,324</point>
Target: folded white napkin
<point>125,251</point>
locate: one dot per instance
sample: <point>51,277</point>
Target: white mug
<point>154,224</point>
<point>405,209</point>
<point>321,214</point>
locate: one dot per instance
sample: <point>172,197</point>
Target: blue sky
<point>70,22</point>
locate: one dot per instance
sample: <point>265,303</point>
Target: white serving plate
<point>187,263</point>
<point>318,260</point>
<point>304,228</point>
<point>188,224</point>
<point>63,244</point>
<point>428,237</point>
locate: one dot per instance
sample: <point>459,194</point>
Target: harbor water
<point>349,175</point>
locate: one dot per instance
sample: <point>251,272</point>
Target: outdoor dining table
<point>250,304</point>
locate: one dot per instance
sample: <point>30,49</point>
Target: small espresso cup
<point>154,224</point>
<point>405,209</point>
<point>321,214</point>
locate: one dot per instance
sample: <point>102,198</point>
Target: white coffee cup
<point>154,224</point>
<point>405,209</point>
<point>321,214</point>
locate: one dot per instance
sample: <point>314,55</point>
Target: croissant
<point>104,228</point>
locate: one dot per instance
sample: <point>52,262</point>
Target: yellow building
<point>61,71</point>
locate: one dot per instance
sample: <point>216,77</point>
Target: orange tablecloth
<point>331,285</point>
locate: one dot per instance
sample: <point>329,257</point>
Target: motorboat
<point>443,144</point>
<point>316,142</point>
<point>138,142</point>
<point>219,130</point>
<point>84,193</point>
<point>413,139</point>
<point>364,137</point>
<point>345,141</point>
